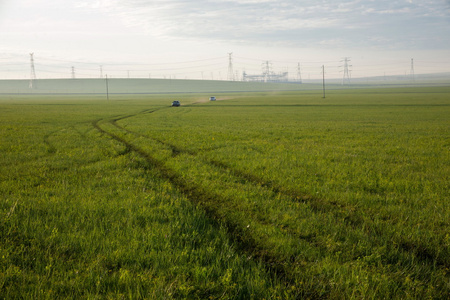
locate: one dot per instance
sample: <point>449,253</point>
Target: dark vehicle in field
<point>176,103</point>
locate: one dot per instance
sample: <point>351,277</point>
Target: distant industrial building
<point>267,75</point>
<point>270,77</point>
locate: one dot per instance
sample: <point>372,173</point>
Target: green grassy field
<point>257,195</point>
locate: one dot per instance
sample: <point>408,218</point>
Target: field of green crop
<point>255,196</point>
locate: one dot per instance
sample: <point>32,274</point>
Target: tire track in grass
<point>220,209</point>
<point>281,265</point>
<point>287,268</point>
<point>51,149</point>
<point>351,217</point>
<point>244,241</point>
<point>318,205</point>
<point>247,178</point>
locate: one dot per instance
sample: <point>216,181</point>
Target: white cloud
<point>155,30</point>
<point>261,21</point>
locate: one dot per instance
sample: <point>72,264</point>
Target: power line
<point>132,63</point>
<point>49,68</point>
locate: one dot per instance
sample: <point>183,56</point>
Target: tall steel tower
<point>346,77</point>
<point>266,66</point>
<point>32,72</point>
<point>412,70</point>
<point>230,67</point>
<point>73,72</point>
<point>299,73</point>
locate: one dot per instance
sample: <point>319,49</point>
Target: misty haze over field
<point>192,39</point>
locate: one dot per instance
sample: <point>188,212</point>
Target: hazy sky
<point>192,38</point>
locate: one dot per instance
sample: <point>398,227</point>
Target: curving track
<point>220,207</point>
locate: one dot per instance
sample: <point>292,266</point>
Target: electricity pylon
<point>299,73</point>
<point>230,67</point>
<point>346,77</point>
<point>266,70</point>
<point>32,72</point>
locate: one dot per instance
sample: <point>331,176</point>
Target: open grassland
<point>263,195</point>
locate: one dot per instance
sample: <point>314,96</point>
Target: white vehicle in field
<point>212,98</point>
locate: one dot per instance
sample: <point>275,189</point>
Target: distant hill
<point>139,86</point>
<point>166,86</point>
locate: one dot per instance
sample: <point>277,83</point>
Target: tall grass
<point>83,217</point>
<point>277,195</point>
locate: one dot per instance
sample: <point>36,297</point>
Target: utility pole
<point>323,80</point>
<point>412,70</point>
<point>230,67</point>
<point>32,72</point>
<point>73,72</point>
<point>107,88</point>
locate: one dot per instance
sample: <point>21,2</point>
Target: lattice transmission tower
<point>230,67</point>
<point>412,70</point>
<point>346,77</point>
<point>32,72</point>
<point>266,70</point>
<point>299,73</point>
